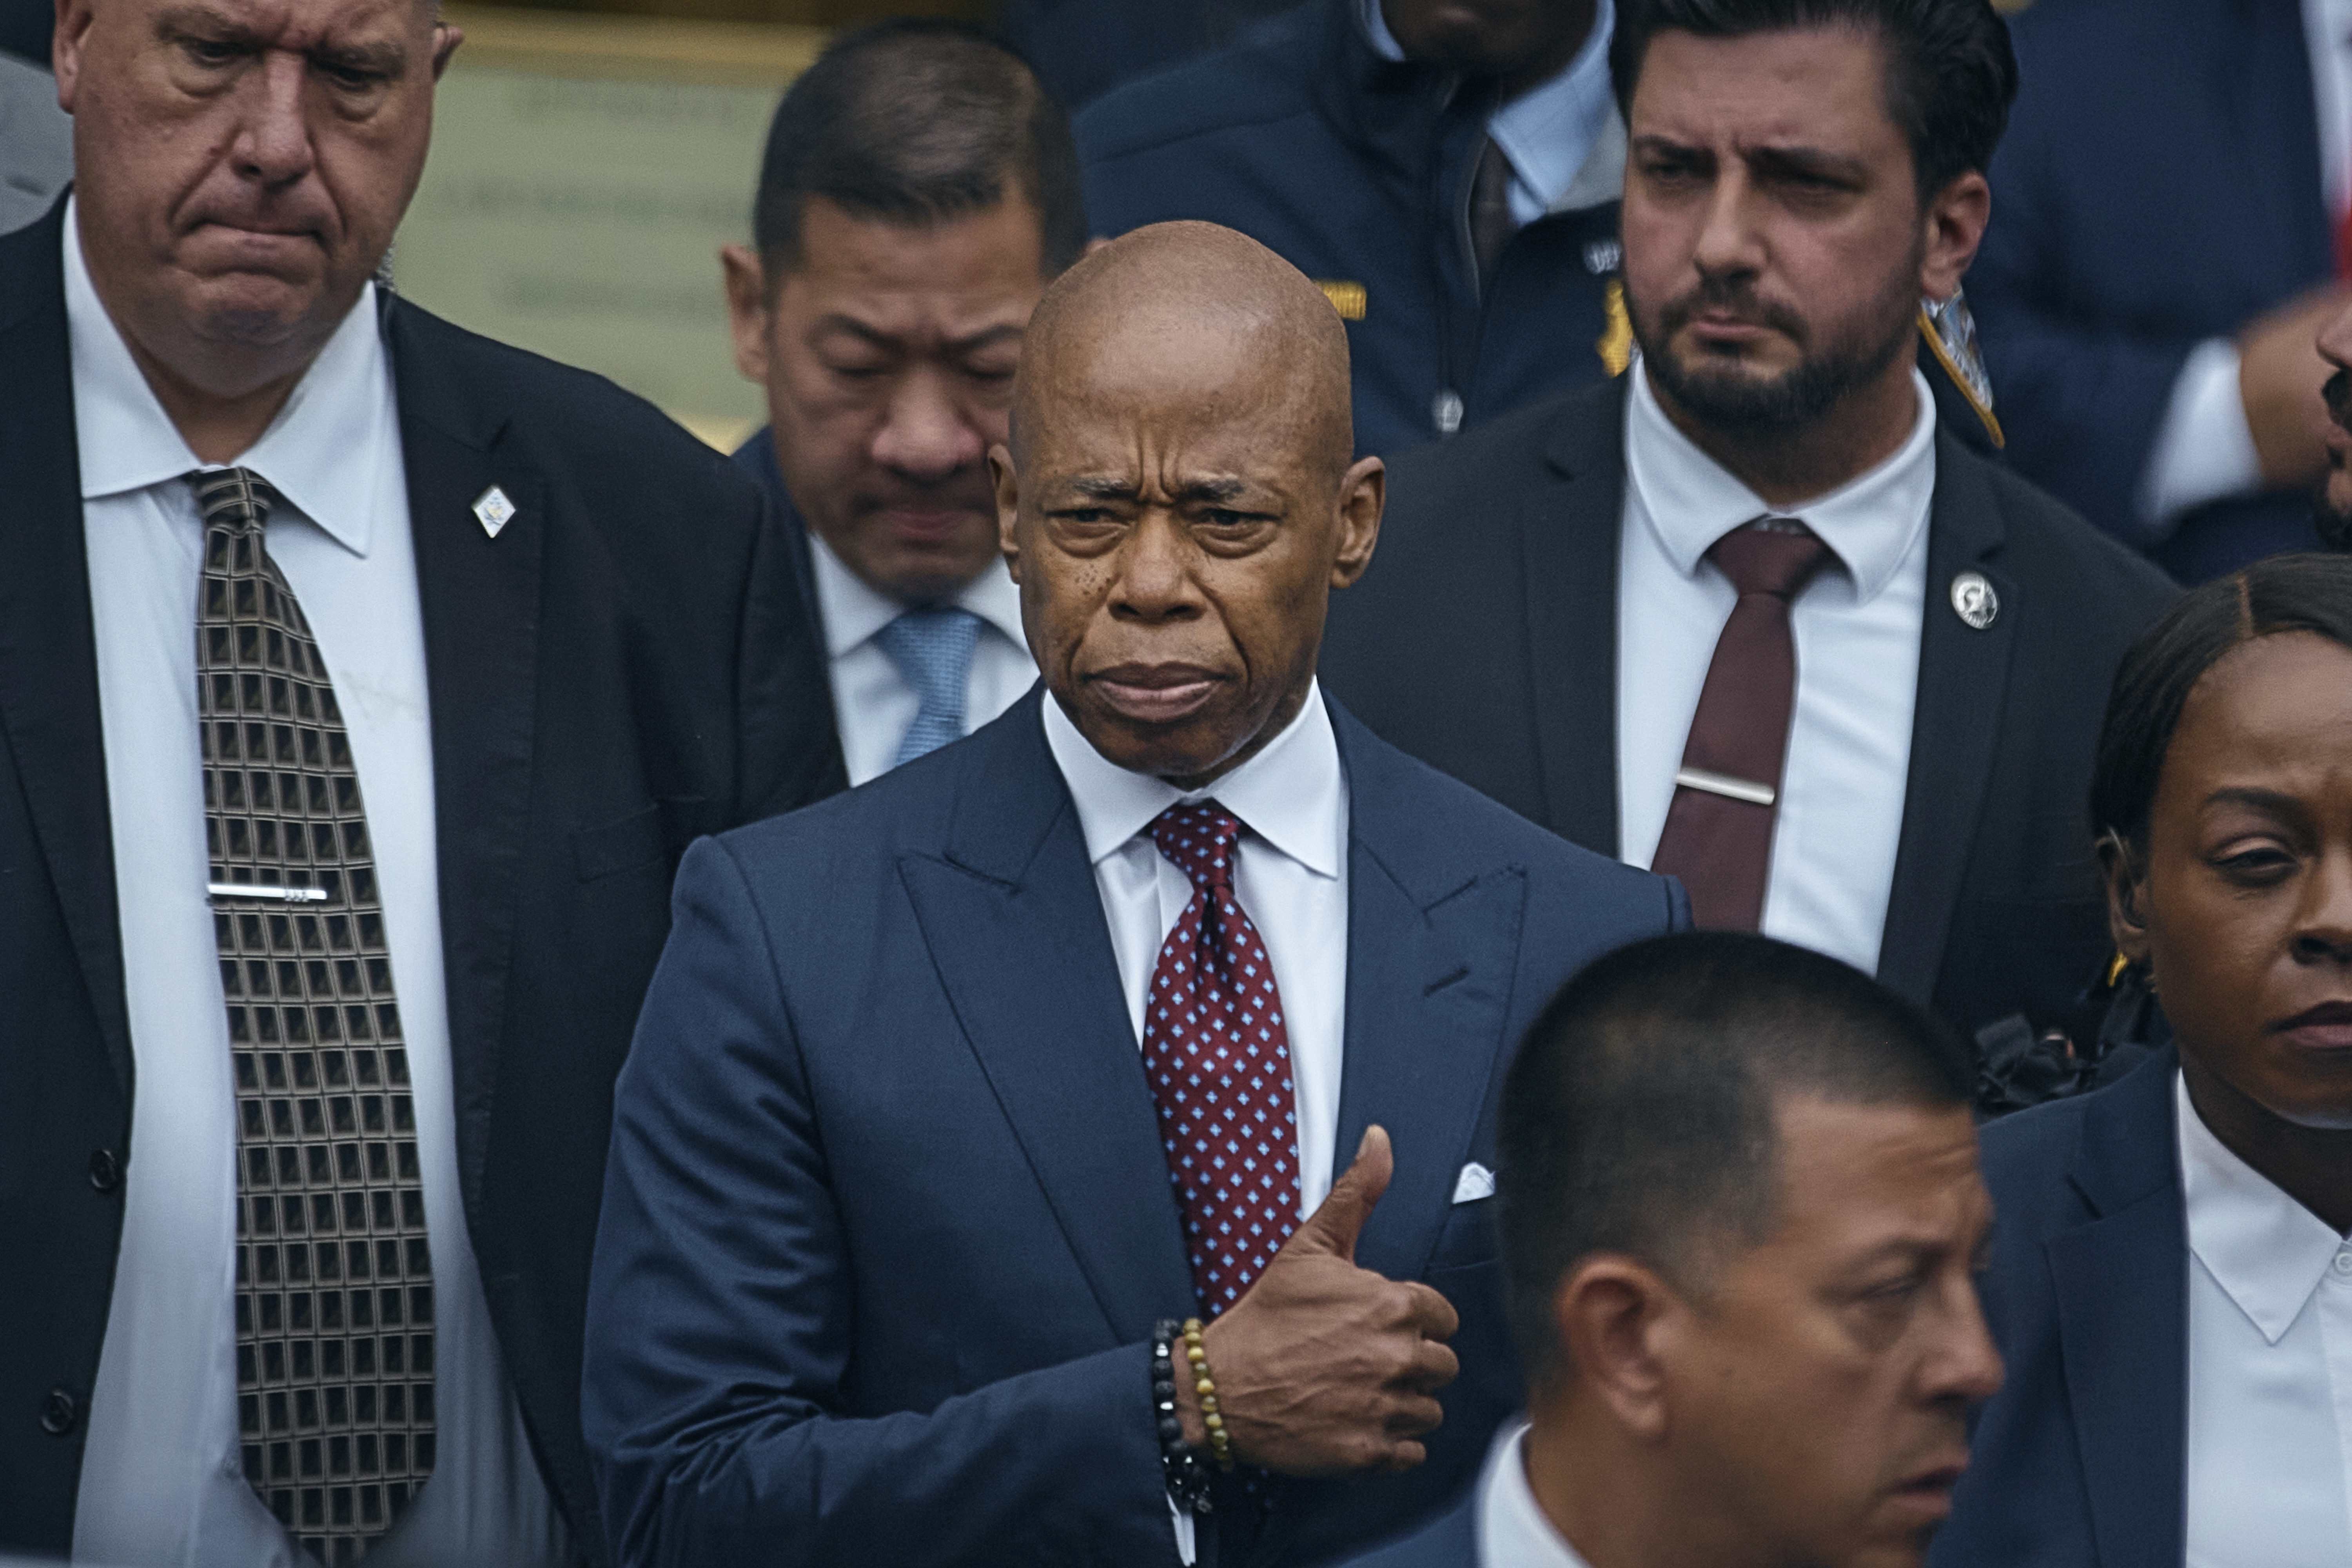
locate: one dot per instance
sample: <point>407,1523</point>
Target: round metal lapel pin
<point>1974,601</point>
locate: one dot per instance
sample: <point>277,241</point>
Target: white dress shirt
<point>2270,1367</point>
<point>161,1480</point>
<point>1290,872</point>
<point>872,703</point>
<point>2204,449</point>
<point>1549,131</point>
<point>1856,628</point>
<point>1514,1531</point>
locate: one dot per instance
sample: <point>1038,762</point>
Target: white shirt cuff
<point>2204,450</point>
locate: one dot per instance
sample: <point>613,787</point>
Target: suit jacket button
<point>105,1170</point>
<point>58,1413</point>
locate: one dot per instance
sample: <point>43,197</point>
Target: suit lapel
<point>1568,532</point>
<point>49,647</point>
<point>1433,951</point>
<point>1956,722</point>
<point>2122,1286</point>
<point>1015,927</point>
<point>480,602</point>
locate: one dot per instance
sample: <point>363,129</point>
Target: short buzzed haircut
<point>919,122</point>
<point>1951,74</point>
<point>1638,1118</point>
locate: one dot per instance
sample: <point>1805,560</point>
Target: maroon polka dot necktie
<point>1218,1056</point>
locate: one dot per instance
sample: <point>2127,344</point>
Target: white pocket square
<point>1475,1181</point>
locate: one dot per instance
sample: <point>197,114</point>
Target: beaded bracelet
<point>1196,1350</point>
<point>1188,1479</point>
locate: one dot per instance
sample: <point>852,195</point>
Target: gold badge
<point>1615,345</point>
<point>1347,299</point>
<point>1951,335</point>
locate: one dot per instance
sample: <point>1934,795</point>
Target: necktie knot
<point>1198,840</point>
<point>236,499</point>
<point>932,650</point>
<point>1776,561</point>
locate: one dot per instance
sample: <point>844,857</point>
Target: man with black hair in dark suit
<point>1751,614</point>
<point>361,682</point>
<point>918,192</point>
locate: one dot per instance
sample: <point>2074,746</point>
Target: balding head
<point>1195,299</point>
<point>1177,499</point>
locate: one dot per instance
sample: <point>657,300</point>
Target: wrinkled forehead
<point>1227,380</point>
<point>286,24</point>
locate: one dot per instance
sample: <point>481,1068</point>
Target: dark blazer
<point>887,1220</point>
<point>2080,1461</point>
<point>2159,184</point>
<point>625,667</point>
<point>1449,1540</point>
<point>1484,640</point>
<point>1357,169</point>
<point>757,457</point>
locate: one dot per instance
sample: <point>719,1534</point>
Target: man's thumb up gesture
<point>1323,1367</point>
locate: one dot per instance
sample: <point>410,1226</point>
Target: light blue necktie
<point>932,650</point>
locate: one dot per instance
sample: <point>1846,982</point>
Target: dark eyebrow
<point>1104,487</point>
<point>2275,802</point>
<point>988,337</point>
<point>1808,160</point>
<point>375,59</point>
<point>180,21</point>
<point>837,323</point>
<point>1655,144</point>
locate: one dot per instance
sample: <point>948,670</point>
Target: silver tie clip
<point>256,890</point>
<point>1725,785</point>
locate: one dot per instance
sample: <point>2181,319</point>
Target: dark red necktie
<point>1218,1057</point>
<point>1718,833</point>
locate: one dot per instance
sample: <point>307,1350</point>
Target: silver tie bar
<point>1748,789</point>
<point>256,890</point>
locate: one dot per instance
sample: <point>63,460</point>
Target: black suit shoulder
<point>1258,82</point>
<point>2055,542</point>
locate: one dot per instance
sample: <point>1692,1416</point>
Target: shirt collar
<point>2264,1248</point>
<point>1291,795</point>
<point>344,406</point>
<point>1550,130</point>
<point>1514,1531</point>
<point>854,610</point>
<point>1691,501</point>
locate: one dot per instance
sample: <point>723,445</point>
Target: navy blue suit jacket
<point>887,1220</point>
<point>1357,169</point>
<point>2080,1460</point>
<point>2159,184</point>
<point>1449,1540</point>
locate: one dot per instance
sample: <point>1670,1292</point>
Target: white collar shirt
<point>1551,131</point>
<point>1856,628</point>
<point>872,703</point>
<point>2270,1366</point>
<point>1290,874</point>
<point>1513,1530</point>
<point>162,1479</point>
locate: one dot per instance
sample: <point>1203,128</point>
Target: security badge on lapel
<point>1950,332</point>
<point>493,510</point>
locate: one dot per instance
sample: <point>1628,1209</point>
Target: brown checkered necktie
<point>334,1279</point>
<point>1718,833</point>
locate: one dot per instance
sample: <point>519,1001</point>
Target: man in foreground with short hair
<point>1741,1214</point>
<point>919,192</point>
<point>1752,615</point>
<point>1170,994</point>
<point>360,680</point>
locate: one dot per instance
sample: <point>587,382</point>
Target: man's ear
<point>446,37</point>
<point>1363,495</point>
<point>74,17</point>
<point>1007,482</point>
<point>747,315</point>
<point>2125,873</point>
<point>1619,1322</point>
<point>1955,222</point>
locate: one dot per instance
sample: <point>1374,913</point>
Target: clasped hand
<point>1322,1367</point>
